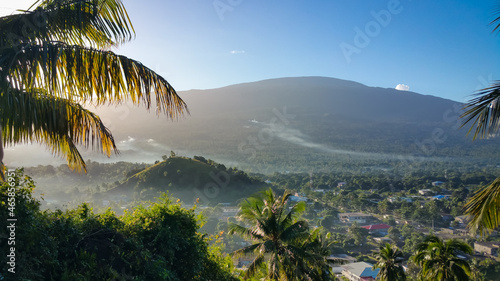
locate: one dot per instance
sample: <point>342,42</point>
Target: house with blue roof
<point>440,197</point>
<point>360,271</point>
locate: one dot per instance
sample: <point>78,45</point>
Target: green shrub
<point>155,242</point>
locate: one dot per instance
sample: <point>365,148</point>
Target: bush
<point>157,242</point>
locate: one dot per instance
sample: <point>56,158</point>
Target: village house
<point>377,229</point>
<point>437,183</point>
<point>359,271</point>
<point>486,248</point>
<point>355,217</point>
<point>337,260</point>
<point>425,192</point>
<point>396,199</point>
<point>341,184</point>
<point>455,231</point>
<point>383,240</point>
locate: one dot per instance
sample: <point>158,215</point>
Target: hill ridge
<point>188,179</point>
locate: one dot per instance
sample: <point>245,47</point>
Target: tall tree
<point>484,113</point>
<point>439,259</point>
<point>54,59</point>
<point>281,240</point>
<point>389,260</point>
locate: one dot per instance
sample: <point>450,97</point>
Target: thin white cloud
<point>236,52</point>
<point>402,87</point>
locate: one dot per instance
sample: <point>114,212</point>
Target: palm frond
<point>439,259</point>
<point>463,264</point>
<point>89,75</point>
<point>254,266</point>
<point>454,245</point>
<point>250,209</point>
<point>484,112</point>
<point>294,213</point>
<point>389,260</point>
<point>61,124</point>
<point>246,250</point>
<point>246,232</point>
<point>291,251</point>
<point>299,231</point>
<point>484,208</point>
<point>274,270</point>
<point>98,23</point>
<point>496,21</point>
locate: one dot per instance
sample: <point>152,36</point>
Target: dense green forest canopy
<point>360,189</point>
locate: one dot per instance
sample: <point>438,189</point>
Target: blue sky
<point>443,48</point>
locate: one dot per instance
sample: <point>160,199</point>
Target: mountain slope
<point>299,124</point>
<point>321,95</point>
<point>291,123</point>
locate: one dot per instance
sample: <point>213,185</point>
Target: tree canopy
<point>281,240</point>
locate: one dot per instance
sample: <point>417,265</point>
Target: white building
<point>355,217</point>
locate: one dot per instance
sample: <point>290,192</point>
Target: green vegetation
<point>190,180</point>
<point>150,238</point>
<point>158,241</point>
<point>56,57</point>
<point>389,260</point>
<point>439,260</point>
<point>283,242</point>
<point>483,112</point>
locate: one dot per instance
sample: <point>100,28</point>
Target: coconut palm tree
<point>389,260</point>
<point>484,113</point>
<point>55,58</point>
<point>439,259</point>
<point>281,240</point>
<point>317,266</point>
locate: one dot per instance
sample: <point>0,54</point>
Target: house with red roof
<point>377,229</point>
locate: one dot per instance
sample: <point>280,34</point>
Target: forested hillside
<point>297,124</point>
<point>189,180</point>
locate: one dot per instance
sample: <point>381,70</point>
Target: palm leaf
<point>274,268</point>
<point>292,253</point>
<point>89,75</point>
<point>454,245</point>
<point>483,208</point>
<point>249,233</point>
<point>246,250</point>
<point>439,259</point>
<point>250,209</point>
<point>99,23</point>
<point>496,21</point>
<point>299,231</point>
<point>254,266</point>
<point>484,112</point>
<point>294,213</point>
<point>59,123</point>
